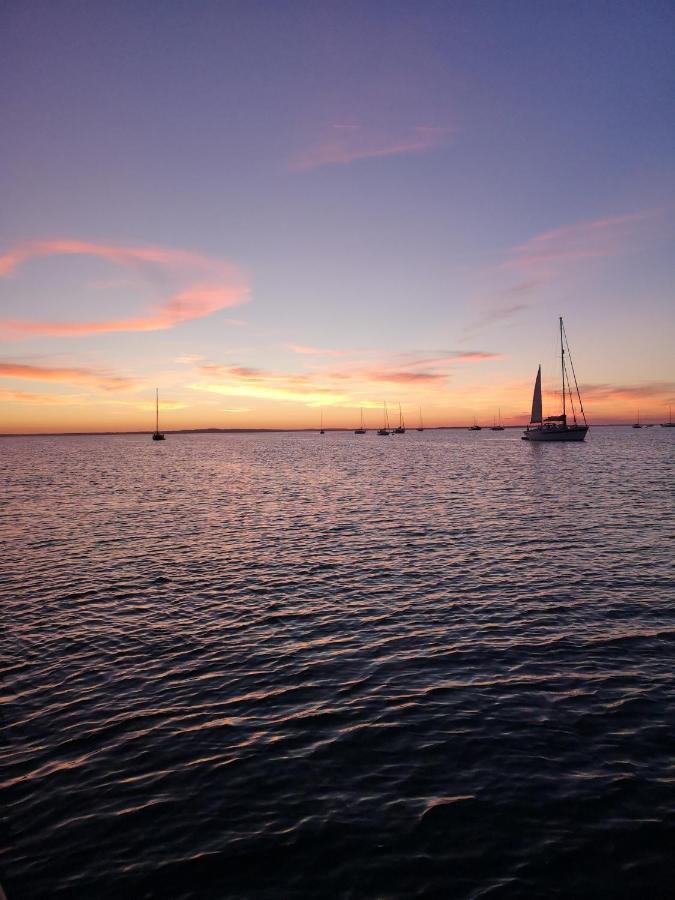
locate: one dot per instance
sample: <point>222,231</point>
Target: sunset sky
<point>269,209</point>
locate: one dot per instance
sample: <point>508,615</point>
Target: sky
<point>279,211</point>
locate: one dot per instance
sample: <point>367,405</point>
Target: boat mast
<point>562,364</point>
<point>157,410</point>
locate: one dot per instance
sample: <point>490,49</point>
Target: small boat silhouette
<point>157,436</point>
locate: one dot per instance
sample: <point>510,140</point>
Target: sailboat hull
<point>573,433</point>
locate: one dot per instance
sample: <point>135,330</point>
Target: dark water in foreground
<point>439,665</point>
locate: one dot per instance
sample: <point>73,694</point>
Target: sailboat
<point>638,424</point>
<point>360,429</point>
<point>557,428</point>
<point>400,429</point>
<point>421,425</point>
<point>157,436</point>
<point>321,429</point>
<point>385,427</point>
<point>475,426</point>
<point>495,426</point>
<point>669,423</point>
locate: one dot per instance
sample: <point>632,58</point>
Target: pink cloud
<point>213,285</point>
<point>451,357</point>
<point>344,144</point>
<point>403,377</point>
<point>547,252</point>
<point>80,376</point>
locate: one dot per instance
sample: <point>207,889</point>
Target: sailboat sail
<point>536,400</point>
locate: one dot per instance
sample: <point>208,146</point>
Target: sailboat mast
<point>157,410</point>
<point>562,364</point>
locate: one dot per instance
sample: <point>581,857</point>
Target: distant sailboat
<point>421,425</point>
<point>669,423</point>
<point>495,426</point>
<point>360,429</point>
<point>556,428</point>
<point>475,426</point>
<point>385,427</point>
<point>157,436</point>
<point>638,424</point>
<point>321,429</point>
<point>400,429</point>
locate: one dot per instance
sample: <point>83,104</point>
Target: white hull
<point>573,433</point>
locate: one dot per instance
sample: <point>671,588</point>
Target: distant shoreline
<point>265,430</point>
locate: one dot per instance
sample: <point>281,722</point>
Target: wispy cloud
<point>242,381</point>
<point>400,377</point>
<point>495,314</point>
<point>449,358</point>
<point>314,351</point>
<point>651,391</point>
<point>546,253</point>
<point>343,144</point>
<point>189,359</point>
<point>547,256</point>
<point>207,285</point>
<point>10,396</point>
<point>93,378</point>
<point>349,385</point>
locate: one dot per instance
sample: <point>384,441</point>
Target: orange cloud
<point>78,376</point>
<point>344,144</point>
<point>653,391</point>
<point>314,351</point>
<point>213,285</point>
<point>10,396</point>
<point>347,386</point>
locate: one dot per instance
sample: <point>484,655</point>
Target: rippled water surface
<point>287,665</point>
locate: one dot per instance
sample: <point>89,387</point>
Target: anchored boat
<point>400,428</point>
<point>557,428</point>
<point>360,429</point>
<point>385,425</point>
<point>497,426</point>
<point>157,436</point>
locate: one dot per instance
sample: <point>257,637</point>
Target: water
<point>439,665</point>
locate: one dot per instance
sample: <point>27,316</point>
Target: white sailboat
<point>557,428</point>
